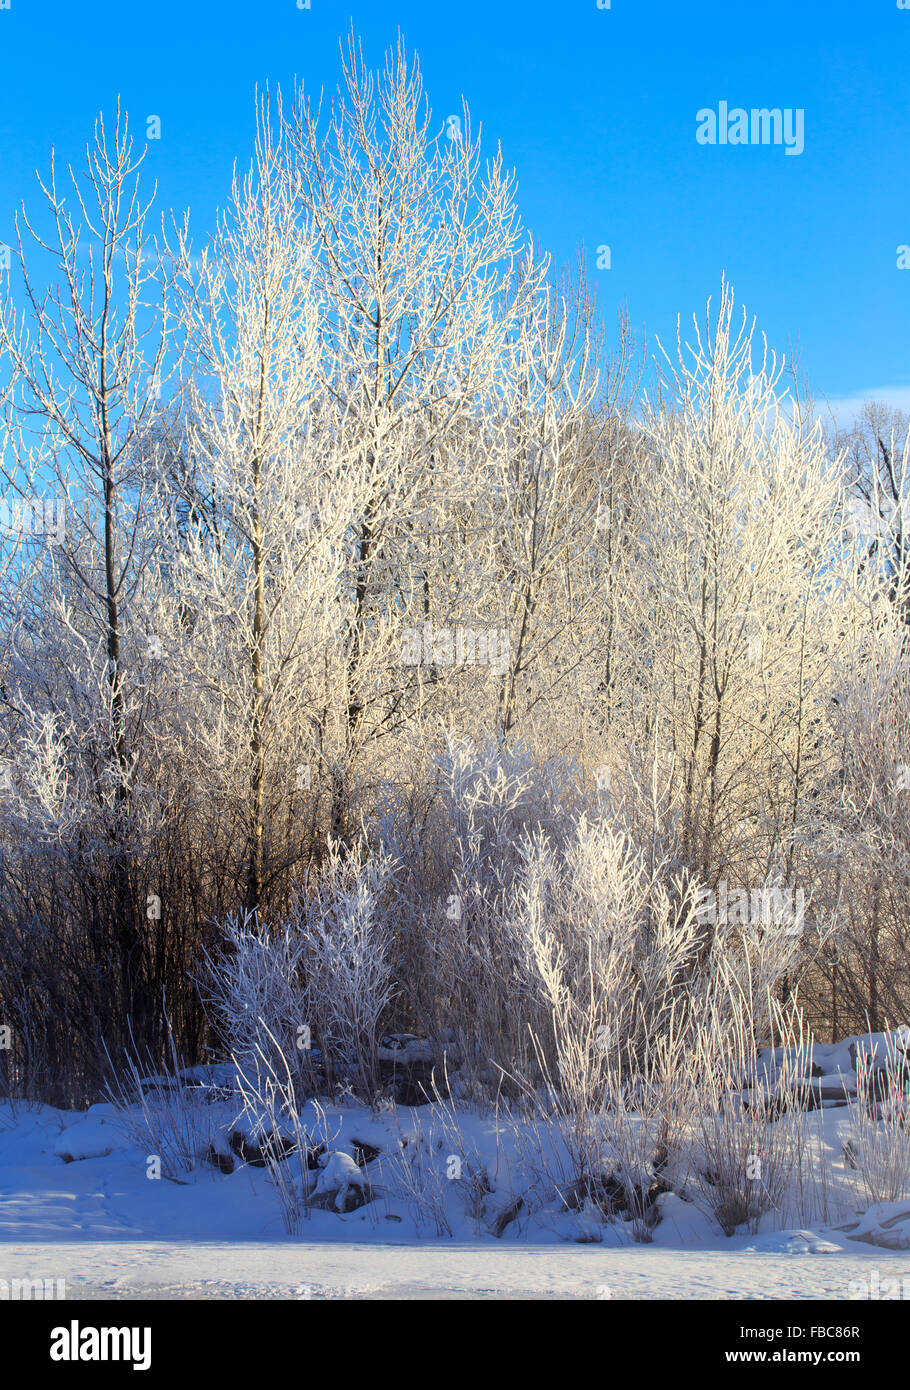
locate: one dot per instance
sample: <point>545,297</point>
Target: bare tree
<point>89,356</point>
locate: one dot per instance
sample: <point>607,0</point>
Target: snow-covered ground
<point>77,1204</point>
<point>351,1269</point>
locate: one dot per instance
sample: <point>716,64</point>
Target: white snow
<point>79,1200</point>
<point>352,1269</point>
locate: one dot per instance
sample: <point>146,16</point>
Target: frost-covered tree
<point>268,502</point>
<point>733,604</point>
<point>417,239</point>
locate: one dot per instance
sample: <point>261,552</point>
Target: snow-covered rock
<point>405,1048</point>
<point>341,1185</point>
<point>886,1224</point>
<point>95,1136</point>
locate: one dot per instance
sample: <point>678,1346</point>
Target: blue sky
<point>596,110</point>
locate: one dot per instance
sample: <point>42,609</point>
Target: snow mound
<point>94,1137</point>
<point>793,1243</point>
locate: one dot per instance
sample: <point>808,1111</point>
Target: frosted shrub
<point>608,950</point>
<point>417,1172</point>
<point>463,966</point>
<point>165,1117</point>
<point>256,992</point>
<point>751,1140</point>
<point>321,977</point>
<point>272,1114</point>
<point>880,1123</point>
<point>347,939</point>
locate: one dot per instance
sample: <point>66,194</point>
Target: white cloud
<point>846,408</point>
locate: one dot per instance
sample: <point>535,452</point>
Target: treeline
<point>287,513</point>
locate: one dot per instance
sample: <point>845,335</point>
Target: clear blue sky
<point>594,108</point>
